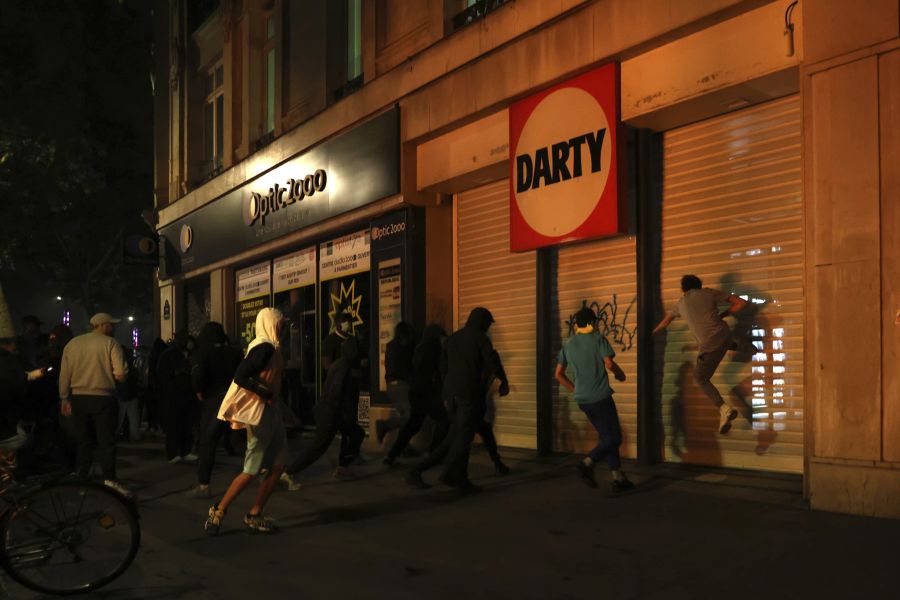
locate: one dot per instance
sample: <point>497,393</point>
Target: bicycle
<point>63,535</point>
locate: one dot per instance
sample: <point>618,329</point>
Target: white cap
<point>102,319</point>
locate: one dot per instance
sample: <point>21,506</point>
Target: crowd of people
<point>200,393</point>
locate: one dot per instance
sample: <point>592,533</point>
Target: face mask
<point>344,327</point>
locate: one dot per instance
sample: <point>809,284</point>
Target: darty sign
<point>564,162</point>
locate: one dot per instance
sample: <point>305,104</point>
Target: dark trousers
<point>422,406</point>
<point>179,427</point>
<point>605,419</point>
<point>211,431</point>
<point>94,420</point>
<point>486,433</point>
<point>466,416</point>
<point>331,419</point>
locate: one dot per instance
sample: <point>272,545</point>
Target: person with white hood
<point>253,403</point>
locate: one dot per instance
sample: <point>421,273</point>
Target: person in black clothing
<point>336,412</point>
<point>215,363</point>
<point>398,356</point>
<point>468,364</point>
<point>331,346</point>
<point>485,429</point>
<point>174,372</point>
<point>59,336</point>
<point>424,393</point>
<point>154,387</point>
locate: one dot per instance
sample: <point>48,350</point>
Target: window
<point>354,39</point>
<point>213,121</point>
<point>269,54</point>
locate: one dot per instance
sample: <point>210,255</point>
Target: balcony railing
<point>475,12</point>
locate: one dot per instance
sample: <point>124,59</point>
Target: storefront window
<point>344,285</point>
<point>294,282</point>
<point>253,294</point>
<point>197,304</point>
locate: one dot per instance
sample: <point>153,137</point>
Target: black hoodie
<point>467,360</point>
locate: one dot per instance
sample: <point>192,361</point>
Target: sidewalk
<point>538,533</point>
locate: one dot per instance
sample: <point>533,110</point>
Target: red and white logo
<point>564,162</point>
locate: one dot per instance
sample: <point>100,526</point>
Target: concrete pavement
<point>538,533</point>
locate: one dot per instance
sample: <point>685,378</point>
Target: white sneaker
<point>191,457</point>
<point>292,484</point>
<point>115,485</point>
<point>175,460</point>
<point>727,414</point>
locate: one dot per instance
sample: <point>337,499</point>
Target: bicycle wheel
<point>69,538</point>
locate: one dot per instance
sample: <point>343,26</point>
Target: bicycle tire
<point>25,509</point>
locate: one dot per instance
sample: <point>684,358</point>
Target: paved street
<point>538,533</point>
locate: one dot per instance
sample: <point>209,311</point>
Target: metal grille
<point>601,274</point>
<point>732,215</point>
<point>489,275</point>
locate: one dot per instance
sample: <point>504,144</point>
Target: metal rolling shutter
<point>602,273</point>
<point>732,215</point>
<point>489,275</point>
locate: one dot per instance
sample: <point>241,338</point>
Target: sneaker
<point>118,487</point>
<point>190,457</point>
<point>380,430</point>
<point>727,414</point>
<point>259,523</point>
<point>621,485</point>
<point>342,473</point>
<point>414,479</point>
<point>586,474</point>
<point>216,516</point>
<point>200,492</point>
<point>175,460</point>
<point>292,484</point>
<point>500,468</point>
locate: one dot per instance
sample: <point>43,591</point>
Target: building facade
<point>382,157</point>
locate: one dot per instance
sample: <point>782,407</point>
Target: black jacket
<point>425,378</point>
<point>174,372</point>
<point>215,371</point>
<point>397,361</point>
<point>13,381</point>
<point>467,363</point>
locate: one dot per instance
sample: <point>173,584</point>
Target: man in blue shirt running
<point>589,354</point>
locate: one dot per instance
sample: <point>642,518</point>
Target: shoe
<point>389,461</point>
<point>726,416</point>
<point>118,487</point>
<point>621,485</point>
<point>200,492</point>
<point>175,460</point>
<point>500,468</point>
<point>216,516</point>
<point>292,484</point>
<point>380,430</point>
<point>259,523</point>
<point>342,473</point>
<point>190,458</point>
<point>414,479</point>
<point>586,474</point>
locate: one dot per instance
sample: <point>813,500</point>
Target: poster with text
<point>253,285</point>
<point>294,270</point>
<point>389,310</point>
<point>344,256</point>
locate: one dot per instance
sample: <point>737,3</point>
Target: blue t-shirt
<point>584,353</point>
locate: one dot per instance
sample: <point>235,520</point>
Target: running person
<point>590,355</point>
<point>259,374</point>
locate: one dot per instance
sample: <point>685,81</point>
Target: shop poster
<point>294,270</point>
<point>253,294</point>
<point>389,310</point>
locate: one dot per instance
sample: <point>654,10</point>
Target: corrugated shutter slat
<point>732,215</point>
<point>489,275</point>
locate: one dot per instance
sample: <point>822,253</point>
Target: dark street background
<point>538,533</point>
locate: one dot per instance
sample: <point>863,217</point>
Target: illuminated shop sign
<point>339,175</point>
<point>564,162</point>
